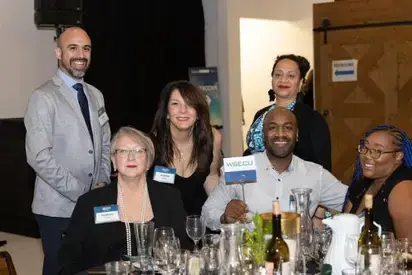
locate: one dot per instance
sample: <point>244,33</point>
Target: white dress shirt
<point>326,189</point>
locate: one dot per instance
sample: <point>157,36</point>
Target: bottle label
<point>269,268</point>
<point>285,270</point>
<point>374,263</point>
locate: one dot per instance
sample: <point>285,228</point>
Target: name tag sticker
<point>103,118</point>
<point>240,170</point>
<point>164,174</point>
<point>106,214</point>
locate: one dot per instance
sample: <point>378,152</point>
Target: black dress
<point>191,189</point>
<point>314,143</point>
<point>87,244</point>
<point>380,201</point>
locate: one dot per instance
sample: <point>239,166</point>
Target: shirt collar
<point>269,166</point>
<point>67,79</point>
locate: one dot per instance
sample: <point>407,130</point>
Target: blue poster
<point>207,80</point>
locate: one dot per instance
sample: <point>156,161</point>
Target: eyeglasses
<point>125,153</point>
<point>374,153</point>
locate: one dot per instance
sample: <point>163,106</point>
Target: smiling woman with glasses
<point>101,227</point>
<point>374,153</point>
<point>383,169</point>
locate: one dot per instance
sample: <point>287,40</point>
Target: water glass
<point>182,261</point>
<point>351,271</point>
<point>210,240</point>
<point>144,233</point>
<point>117,268</point>
<point>389,253</point>
<point>144,265</point>
<point>210,260</point>
<point>161,235</point>
<point>195,229</point>
<point>405,251</point>
<point>167,249</point>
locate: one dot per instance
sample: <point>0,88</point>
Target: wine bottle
<point>369,239</point>
<point>368,236</point>
<point>277,251</point>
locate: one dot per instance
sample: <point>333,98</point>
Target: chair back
<point>6,264</point>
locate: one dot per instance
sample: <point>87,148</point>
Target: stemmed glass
<point>405,255</point>
<point>162,243</point>
<point>389,253</point>
<point>351,250</point>
<point>195,229</point>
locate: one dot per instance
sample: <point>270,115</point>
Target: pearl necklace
<point>126,219</point>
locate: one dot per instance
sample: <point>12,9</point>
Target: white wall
<point>245,53</point>
<point>26,54</point>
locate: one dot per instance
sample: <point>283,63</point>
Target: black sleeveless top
<point>380,200</point>
<point>191,188</point>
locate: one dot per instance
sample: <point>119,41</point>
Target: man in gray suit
<point>67,141</point>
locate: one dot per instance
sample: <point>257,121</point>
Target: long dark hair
<point>202,153</point>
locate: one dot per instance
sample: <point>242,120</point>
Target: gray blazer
<point>59,147</point>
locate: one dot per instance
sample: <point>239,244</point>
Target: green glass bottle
<point>277,251</point>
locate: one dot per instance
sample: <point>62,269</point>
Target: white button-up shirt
<point>326,189</point>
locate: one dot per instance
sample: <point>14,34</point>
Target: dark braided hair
<point>400,139</point>
<point>302,63</point>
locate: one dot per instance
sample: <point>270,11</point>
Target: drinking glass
<point>144,265</point>
<point>405,250</point>
<point>161,235</point>
<point>210,240</point>
<point>167,249</point>
<point>182,261</point>
<point>351,271</point>
<point>117,268</point>
<point>144,232</point>
<point>351,249</point>
<point>195,229</point>
<point>389,253</point>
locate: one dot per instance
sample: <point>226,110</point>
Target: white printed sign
<point>240,169</point>
<point>345,70</point>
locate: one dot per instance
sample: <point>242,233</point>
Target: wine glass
<point>389,255</point>
<point>405,257</point>
<point>211,240</point>
<point>351,249</point>
<point>160,236</point>
<point>195,229</point>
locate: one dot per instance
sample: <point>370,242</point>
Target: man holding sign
<point>278,171</point>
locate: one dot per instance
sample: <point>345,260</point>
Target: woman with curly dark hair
<point>314,144</point>
<point>185,140</point>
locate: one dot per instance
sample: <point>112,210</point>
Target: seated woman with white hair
<point>88,241</point>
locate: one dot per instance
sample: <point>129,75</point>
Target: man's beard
<point>78,74</point>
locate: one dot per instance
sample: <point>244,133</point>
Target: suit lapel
<point>96,129</point>
<point>68,95</point>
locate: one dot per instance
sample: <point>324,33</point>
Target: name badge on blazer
<point>106,214</point>
<point>164,174</point>
<point>103,118</point>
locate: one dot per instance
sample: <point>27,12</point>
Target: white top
<point>326,189</point>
